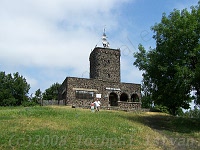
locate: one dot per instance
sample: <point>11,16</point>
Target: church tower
<point>105,62</point>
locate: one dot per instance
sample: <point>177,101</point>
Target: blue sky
<point>48,40</point>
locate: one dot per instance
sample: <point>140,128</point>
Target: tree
<point>20,88</point>
<point>52,92</point>
<point>38,96</point>
<point>171,70</point>
<point>13,89</point>
<point>6,97</point>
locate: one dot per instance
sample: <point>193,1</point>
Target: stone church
<point>104,83</point>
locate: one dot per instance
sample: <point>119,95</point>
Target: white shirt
<point>96,104</point>
<point>99,102</point>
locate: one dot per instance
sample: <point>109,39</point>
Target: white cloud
<point>129,73</point>
<point>33,82</point>
<point>52,33</point>
<point>47,40</point>
<point>52,38</point>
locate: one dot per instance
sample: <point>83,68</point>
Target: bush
<point>146,102</point>
<point>29,103</point>
<point>195,113</point>
<point>159,108</point>
<point>9,102</point>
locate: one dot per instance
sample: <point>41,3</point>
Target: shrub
<point>29,103</point>
<point>159,108</point>
<point>195,113</point>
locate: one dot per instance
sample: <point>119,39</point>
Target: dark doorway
<point>113,98</point>
<point>124,97</point>
<point>134,98</point>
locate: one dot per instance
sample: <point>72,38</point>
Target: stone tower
<point>105,62</point>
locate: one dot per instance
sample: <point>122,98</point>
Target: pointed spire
<point>104,40</point>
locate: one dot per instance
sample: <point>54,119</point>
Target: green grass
<point>68,128</point>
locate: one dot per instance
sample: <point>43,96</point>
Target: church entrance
<point>113,98</point>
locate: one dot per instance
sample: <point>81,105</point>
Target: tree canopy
<point>37,97</point>
<point>13,89</point>
<point>172,69</point>
<point>51,92</point>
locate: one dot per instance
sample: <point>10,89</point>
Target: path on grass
<point>175,129</point>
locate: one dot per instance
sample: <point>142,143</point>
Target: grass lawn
<point>63,127</point>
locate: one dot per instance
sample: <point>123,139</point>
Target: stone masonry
<point>104,83</point>
<point>72,84</point>
<point>105,64</point>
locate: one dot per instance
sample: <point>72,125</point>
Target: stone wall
<point>62,91</point>
<point>105,64</point>
<point>104,80</point>
<point>129,105</point>
<point>98,87</point>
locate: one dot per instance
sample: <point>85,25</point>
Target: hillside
<point>70,128</point>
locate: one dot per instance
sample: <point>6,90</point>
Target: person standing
<point>97,105</point>
<point>98,101</point>
<point>92,107</point>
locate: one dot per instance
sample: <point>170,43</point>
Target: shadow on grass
<point>161,122</point>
